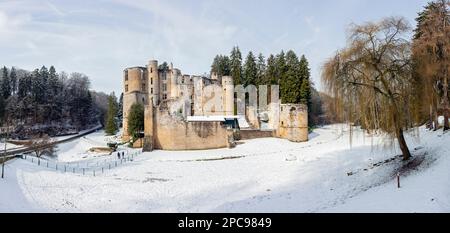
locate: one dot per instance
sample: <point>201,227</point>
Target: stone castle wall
<point>172,133</point>
<point>293,122</point>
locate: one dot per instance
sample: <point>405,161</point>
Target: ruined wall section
<point>293,122</point>
<point>173,133</point>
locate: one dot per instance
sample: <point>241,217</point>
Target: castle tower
<point>135,91</point>
<point>153,80</point>
<point>228,95</point>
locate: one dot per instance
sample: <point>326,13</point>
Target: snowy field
<point>262,175</point>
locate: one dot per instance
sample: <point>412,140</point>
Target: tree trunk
<point>430,123</point>
<point>445,105</point>
<point>436,120</point>
<point>403,146</point>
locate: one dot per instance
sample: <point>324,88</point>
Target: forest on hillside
<point>43,101</point>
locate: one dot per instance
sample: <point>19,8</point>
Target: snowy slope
<point>262,175</point>
<point>79,149</point>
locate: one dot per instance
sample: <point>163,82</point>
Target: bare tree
<point>42,144</point>
<point>372,79</point>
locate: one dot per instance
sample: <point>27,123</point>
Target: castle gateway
<point>186,112</point>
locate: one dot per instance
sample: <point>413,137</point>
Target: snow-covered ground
<point>262,175</point>
<point>78,150</point>
<point>8,146</point>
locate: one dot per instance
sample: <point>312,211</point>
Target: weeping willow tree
<point>431,54</point>
<point>371,79</point>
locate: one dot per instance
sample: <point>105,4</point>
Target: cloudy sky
<point>102,37</point>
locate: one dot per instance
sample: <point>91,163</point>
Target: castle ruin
<point>184,112</point>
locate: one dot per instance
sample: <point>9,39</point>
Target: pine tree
<point>111,125</point>
<point>2,109</point>
<point>6,84</point>
<point>13,79</point>
<point>261,71</point>
<point>280,68</point>
<point>290,84</point>
<point>225,66</point>
<point>236,65</point>
<point>24,87</point>
<point>271,71</point>
<point>221,66</point>
<point>44,76</point>
<point>53,82</point>
<point>305,89</point>
<point>136,120</point>
<point>215,66</point>
<point>37,87</point>
<point>250,70</point>
<point>120,107</point>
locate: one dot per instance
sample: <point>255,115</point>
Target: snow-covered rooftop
<point>210,118</point>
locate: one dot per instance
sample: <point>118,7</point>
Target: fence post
<point>39,162</point>
<point>57,166</point>
<point>102,170</point>
<point>116,163</point>
<point>47,164</point>
<point>93,172</point>
<point>32,160</point>
<point>83,171</point>
<point>73,170</point>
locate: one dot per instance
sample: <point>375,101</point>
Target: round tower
<point>228,95</point>
<point>153,80</point>
<point>134,92</point>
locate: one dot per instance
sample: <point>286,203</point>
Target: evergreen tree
<point>44,76</point>
<point>5,84</point>
<point>271,76</point>
<point>111,125</point>
<point>120,107</point>
<point>261,71</point>
<point>37,87</point>
<point>24,86</point>
<point>225,66</point>
<point>13,79</point>
<point>305,89</point>
<point>53,85</point>
<point>221,66</point>
<point>291,81</point>
<point>236,65</point>
<point>250,70</point>
<point>2,109</point>
<point>136,120</point>
<point>280,68</point>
